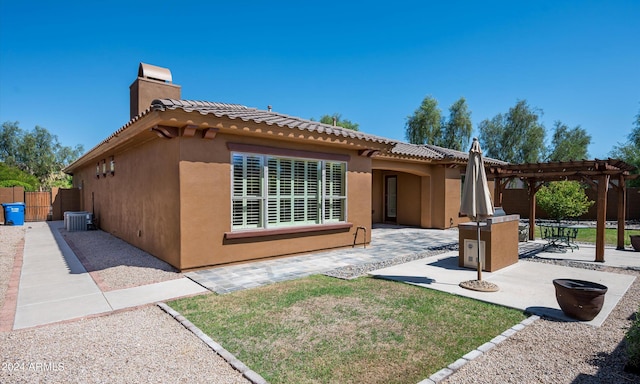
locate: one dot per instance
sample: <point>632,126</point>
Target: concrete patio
<point>526,285</point>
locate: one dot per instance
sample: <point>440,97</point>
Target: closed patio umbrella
<point>476,198</point>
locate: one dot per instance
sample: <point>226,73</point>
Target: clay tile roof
<point>237,111</point>
<point>435,152</point>
<point>414,150</point>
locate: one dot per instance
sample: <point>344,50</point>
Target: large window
<point>272,191</point>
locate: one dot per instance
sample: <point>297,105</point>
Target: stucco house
<point>199,183</point>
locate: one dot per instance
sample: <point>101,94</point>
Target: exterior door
<point>390,201</point>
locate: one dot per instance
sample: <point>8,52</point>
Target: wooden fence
<point>42,206</point>
<point>37,206</point>
<point>516,201</point>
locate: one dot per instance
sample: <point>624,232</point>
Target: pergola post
<point>497,192</point>
<point>601,205</point>
<point>622,208</point>
<point>532,207</point>
<point>596,173</point>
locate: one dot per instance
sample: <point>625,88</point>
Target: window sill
<point>285,231</point>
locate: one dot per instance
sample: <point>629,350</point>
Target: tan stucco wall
<point>501,243</point>
<point>171,198</point>
<point>426,202</point>
<point>428,195</point>
<point>413,196</point>
<point>139,203</point>
<point>205,177</point>
<point>453,195</point>
<point>409,199</point>
<point>143,91</point>
<point>377,193</point>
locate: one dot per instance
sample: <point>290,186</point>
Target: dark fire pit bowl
<point>579,299</point>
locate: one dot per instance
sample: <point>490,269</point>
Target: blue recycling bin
<point>13,213</point>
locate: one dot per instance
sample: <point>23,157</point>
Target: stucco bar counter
<point>498,243</point>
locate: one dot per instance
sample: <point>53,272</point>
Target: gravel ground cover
<point>354,271</point>
<point>145,344</point>
<point>117,264</point>
<point>138,346</point>
<point>10,239</point>
<point>550,351</point>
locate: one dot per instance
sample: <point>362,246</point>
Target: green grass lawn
<point>588,235</point>
<point>320,329</point>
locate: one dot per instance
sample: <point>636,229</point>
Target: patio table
<point>560,236</point>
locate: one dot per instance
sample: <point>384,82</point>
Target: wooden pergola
<point>599,174</point>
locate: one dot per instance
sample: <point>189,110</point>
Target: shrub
<point>13,176</point>
<point>563,199</point>
<point>633,345</point>
<point>15,183</point>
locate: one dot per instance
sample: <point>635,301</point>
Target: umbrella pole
<point>479,259</point>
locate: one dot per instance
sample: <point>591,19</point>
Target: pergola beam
<point>597,173</point>
<point>555,174</point>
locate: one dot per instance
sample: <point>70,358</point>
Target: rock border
<point>239,366</point>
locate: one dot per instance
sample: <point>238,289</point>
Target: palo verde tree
<point>515,137</point>
<point>563,199</point>
<point>38,153</point>
<point>568,143</point>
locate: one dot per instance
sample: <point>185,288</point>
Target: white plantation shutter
<point>247,191</point>
<point>334,192</point>
<point>286,191</point>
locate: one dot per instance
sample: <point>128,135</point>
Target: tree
<point>424,126</point>
<point>630,151</point>
<point>457,131</point>
<point>37,153</point>
<point>9,141</point>
<point>491,132</point>
<point>568,144</point>
<point>13,176</point>
<point>516,137</point>
<point>563,199</point>
<point>344,123</point>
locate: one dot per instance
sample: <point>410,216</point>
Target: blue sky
<point>67,66</point>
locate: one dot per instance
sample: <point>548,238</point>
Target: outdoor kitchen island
<point>498,242</point>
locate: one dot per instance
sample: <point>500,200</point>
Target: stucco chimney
<point>152,83</point>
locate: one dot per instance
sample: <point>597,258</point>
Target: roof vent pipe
<point>269,108</point>
<point>335,121</point>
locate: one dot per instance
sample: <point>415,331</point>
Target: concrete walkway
<point>54,285</point>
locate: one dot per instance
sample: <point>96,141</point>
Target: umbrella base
<point>479,285</point>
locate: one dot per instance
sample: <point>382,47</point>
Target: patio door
<point>391,198</point>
